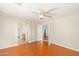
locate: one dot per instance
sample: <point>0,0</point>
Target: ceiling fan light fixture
<point>42,14</point>
<point>41,17</point>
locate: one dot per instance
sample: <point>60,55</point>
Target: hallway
<point>38,49</point>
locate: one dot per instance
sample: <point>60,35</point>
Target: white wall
<point>8,33</point>
<point>66,31</point>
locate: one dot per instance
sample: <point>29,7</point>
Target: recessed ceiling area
<point>24,10</point>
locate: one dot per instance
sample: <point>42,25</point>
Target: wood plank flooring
<point>38,49</point>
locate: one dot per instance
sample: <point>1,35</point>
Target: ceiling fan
<point>42,14</point>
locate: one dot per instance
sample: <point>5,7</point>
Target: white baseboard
<point>5,47</point>
<point>66,46</point>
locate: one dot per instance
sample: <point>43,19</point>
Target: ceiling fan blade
<point>51,10</point>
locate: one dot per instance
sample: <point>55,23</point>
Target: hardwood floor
<point>38,49</point>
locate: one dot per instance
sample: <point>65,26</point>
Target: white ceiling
<point>25,10</point>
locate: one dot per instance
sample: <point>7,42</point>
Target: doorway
<point>45,33</point>
<point>42,33</point>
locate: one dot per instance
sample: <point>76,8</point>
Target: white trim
<point>9,46</point>
<point>65,46</point>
